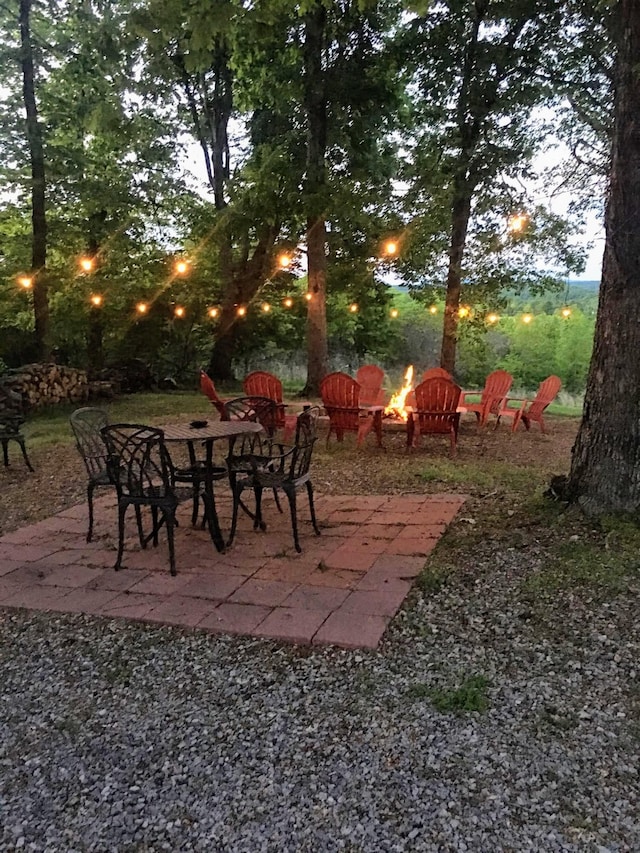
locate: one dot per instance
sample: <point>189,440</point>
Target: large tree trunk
<point>317,351</point>
<point>460,212</point>
<point>316,110</point>
<point>38,186</point>
<point>243,286</point>
<point>605,468</point>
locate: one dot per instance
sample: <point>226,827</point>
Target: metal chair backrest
<point>86,424</point>
<point>138,461</point>
<point>262,410</point>
<point>11,408</point>
<point>306,436</point>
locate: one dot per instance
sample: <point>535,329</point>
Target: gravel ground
<point>122,737</point>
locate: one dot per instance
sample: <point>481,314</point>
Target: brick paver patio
<point>343,589</point>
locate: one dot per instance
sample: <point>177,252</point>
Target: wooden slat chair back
<point>530,410</point>
<point>496,388</point>
<point>436,373</point>
<point>435,411</point>
<point>260,383</point>
<point>209,389</point>
<point>429,373</point>
<point>547,392</point>
<point>370,378</point>
<point>341,400</point>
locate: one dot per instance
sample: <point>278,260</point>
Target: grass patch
<point>430,580</point>
<point>486,475</point>
<point>605,566</point>
<point>470,696</point>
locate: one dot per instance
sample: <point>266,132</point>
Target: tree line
<point>323,127</point>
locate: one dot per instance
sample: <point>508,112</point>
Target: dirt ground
<point>488,463</point>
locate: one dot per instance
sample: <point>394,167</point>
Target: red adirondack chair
<point>496,388</point>
<point>435,411</point>
<point>207,387</point>
<point>370,378</point>
<point>531,410</point>
<point>341,400</point>
<point>436,373</point>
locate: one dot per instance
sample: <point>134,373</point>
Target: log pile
<point>42,385</point>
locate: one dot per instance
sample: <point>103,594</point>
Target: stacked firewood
<point>42,385</point>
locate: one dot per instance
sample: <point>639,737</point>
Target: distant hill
<point>584,285</point>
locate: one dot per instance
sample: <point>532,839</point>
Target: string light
<point>96,300</point>
<point>179,311</point>
<point>86,264</point>
<point>181,267</point>
<point>394,313</point>
<point>463,311</point>
<point>308,296</point>
<point>213,313</point>
<point>566,312</point>
<point>142,307</point>
<point>26,282</point>
<point>284,261</point>
<point>353,307</point>
<point>241,312</point>
<point>266,307</point>
<point>288,302</point>
<point>433,309</point>
<point>527,318</point>
<point>517,222</point>
<point>390,248</point>
<point>492,318</point>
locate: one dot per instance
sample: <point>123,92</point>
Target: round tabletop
<point>212,430</point>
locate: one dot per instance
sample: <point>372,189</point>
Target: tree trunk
<point>605,467</point>
<point>221,359</point>
<point>316,112</point>
<point>460,213</point>
<point>239,292</point>
<point>317,355</point>
<point>38,187</point>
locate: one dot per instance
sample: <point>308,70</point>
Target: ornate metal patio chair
<point>11,419</point>
<point>435,411</point>
<point>496,388</point>
<point>86,424</point>
<point>253,407</point>
<point>341,400</point>
<point>141,469</point>
<point>283,468</point>
<point>530,410</point>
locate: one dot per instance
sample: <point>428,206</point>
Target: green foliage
<point>470,696</point>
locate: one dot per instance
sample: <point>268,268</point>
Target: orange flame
<point>396,405</point>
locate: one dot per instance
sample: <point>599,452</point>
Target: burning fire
<point>396,405</point>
